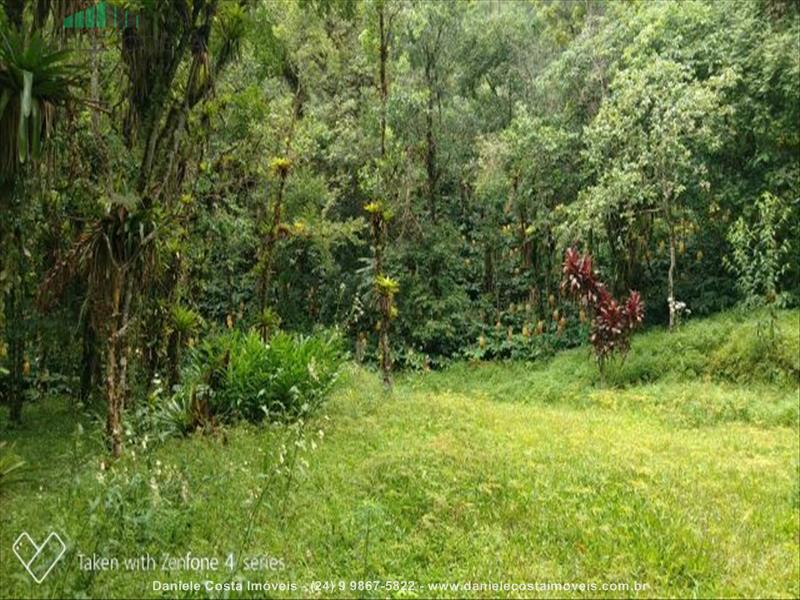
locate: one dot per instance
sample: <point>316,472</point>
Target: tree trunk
<point>384,55</point>
<point>386,359</point>
<point>383,343</point>
<point>430,156</point>
<point>671,279</point>
<point>269,246</point>
<point>430,140</point>
<point>117,359</point>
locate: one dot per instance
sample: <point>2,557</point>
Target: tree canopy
<point>408,172</point>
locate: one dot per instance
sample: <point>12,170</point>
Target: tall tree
<point>648,144</point>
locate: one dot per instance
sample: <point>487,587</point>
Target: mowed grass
<point>681,474</point>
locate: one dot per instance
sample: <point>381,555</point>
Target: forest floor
<point>681,475</point>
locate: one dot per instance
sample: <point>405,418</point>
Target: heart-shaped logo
<point>39,559</point>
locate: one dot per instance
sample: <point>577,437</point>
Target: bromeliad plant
<point>35,80</point>
<point>386,288</point>
<point>612,321</point>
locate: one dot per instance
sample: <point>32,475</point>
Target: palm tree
<point>35,80</point>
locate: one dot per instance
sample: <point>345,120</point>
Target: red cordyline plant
<point>612,322</point>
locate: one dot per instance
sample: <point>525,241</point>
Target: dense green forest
<point>219,214</point>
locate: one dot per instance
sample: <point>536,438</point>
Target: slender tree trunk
<point>269,246</point>
<point>430,139</point>
<point>671,278</point>
<point>386,357</point>
<point>384,348</point>
<point>430,156</point>
<point>384,55</point>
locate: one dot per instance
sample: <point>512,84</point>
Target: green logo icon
<point>101,16</point>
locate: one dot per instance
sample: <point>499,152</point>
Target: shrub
<point>758,257</point>
<point>747,357</point>
<point>612,322</point>
<point>238,376</point>
<point>533,340</point>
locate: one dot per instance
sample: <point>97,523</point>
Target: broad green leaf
<point>27,89</point>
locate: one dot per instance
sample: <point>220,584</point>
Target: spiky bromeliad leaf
<point>43,79</point>
<point>27,89</point>
<point>22,134</point>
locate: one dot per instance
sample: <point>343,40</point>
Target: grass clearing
<point>684,481</point>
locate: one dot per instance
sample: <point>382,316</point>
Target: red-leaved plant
<point>612,322</point>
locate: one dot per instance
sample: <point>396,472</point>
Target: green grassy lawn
<point>681,474</point>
